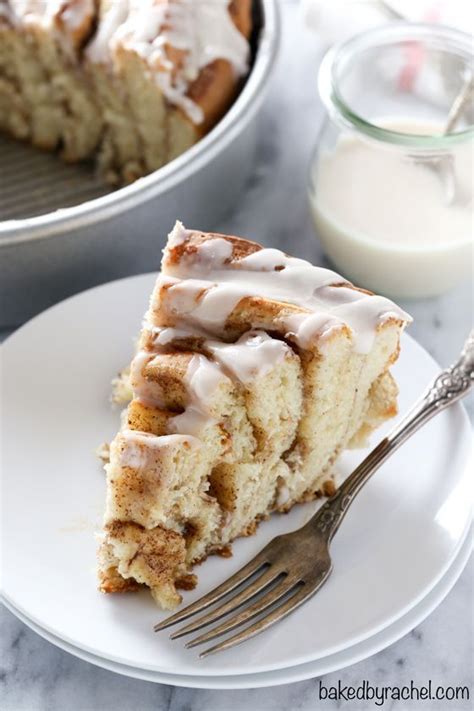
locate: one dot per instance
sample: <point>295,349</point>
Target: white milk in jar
<point>390,157</point>
<point>384,217</point>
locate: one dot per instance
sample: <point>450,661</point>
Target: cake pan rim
<point>170,176</point>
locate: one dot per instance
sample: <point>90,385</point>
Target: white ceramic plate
<point>396,542</point>
<point>310,670</point>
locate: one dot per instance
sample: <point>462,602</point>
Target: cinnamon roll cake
<point>253,372</point>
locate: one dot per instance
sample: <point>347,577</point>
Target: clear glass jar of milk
<point>390,192</point>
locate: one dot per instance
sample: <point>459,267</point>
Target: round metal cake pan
<point>47,257</point>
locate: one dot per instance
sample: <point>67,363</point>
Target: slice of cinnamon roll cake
<point>254,370</point>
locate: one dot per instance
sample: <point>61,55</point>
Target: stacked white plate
<point>400,550</point>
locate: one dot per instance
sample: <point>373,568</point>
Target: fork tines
<point>264,585</point>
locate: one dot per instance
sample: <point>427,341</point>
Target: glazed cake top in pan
<point>176,38</point>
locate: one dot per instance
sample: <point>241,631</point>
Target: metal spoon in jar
<point>444,165</point>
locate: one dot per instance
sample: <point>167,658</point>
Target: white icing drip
<point>207,32</point>
<point>253,355</point>
<point>208,301</point>
<point>202,379</point>
<point>72,13</point>
<point>98,50</point>
<point>201,306</point>
<point>178,235</point>
<point>203,30</point>
<point>192,421</point>
<point>363,316</point>
<point>140,447</point>
<point>304,328</point>
<point>148,392</point>
<point>164,336</point>
<point>215,251</point>
<point>185,295</point>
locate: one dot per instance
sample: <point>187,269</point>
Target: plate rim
<point>459,564</point>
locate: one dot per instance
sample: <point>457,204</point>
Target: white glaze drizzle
<point>304,328</point>
<point>206,285</point>
<point>179,235</point>
<point>203,291</point>
<point>164,336</point>
<point>252,356</point>
<point>98,50</point>
<point>203,29</point>
<point>148,392</point>
<point>138,449</point>
<point>71,13</point>
<point>215,251</point>
<point>202,379</point>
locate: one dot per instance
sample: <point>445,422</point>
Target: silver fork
<point>294,566</point>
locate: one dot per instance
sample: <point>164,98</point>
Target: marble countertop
<point>36,676</point>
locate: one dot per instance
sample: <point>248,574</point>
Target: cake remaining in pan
<point>133,82</point>
<point>254,370</point>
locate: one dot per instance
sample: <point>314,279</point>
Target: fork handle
<point>448,387</point>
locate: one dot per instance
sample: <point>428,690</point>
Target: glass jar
<point>390,193</point>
